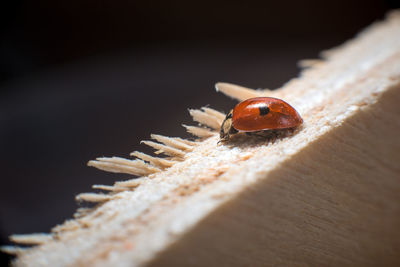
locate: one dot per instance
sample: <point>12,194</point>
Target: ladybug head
<point>227,128</point>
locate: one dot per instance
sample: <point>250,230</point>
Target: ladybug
<point>259,114</point>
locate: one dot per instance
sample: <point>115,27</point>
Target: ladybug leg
<point>272,134</point>
<point>267,134</point>
<point>256,134</point>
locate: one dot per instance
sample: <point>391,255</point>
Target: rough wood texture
<point>325,195</point>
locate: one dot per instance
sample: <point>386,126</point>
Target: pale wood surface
<point>326,195</point>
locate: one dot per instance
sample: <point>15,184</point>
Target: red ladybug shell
<point>264,113</point>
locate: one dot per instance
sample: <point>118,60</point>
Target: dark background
<point>81,79</point>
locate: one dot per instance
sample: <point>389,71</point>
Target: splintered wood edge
<point>173,193</point>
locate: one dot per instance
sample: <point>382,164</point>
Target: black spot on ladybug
<point>264,110</point>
